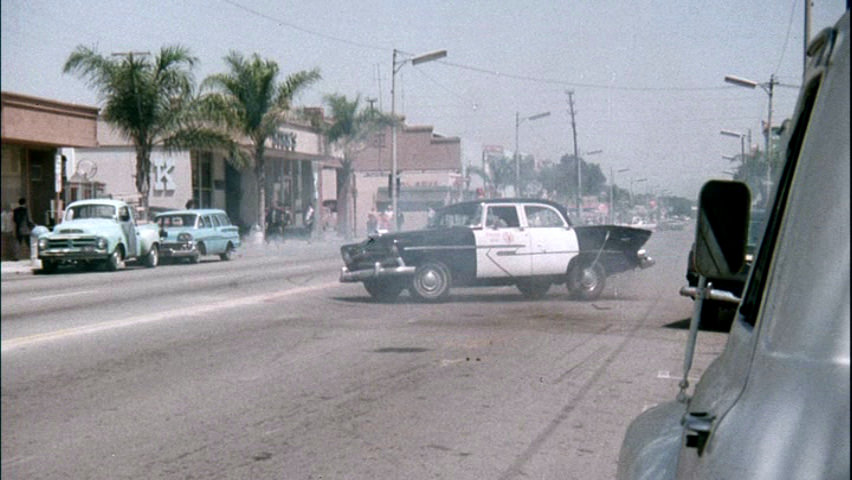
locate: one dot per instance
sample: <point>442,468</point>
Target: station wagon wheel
<point>431,282</point>
<point>228,253</point>
<point>153,257</point>
<point>383,290</point>
<point>586,280</point>
<point>533,289</point>
<point>116,260</point>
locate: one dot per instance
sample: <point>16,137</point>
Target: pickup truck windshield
<point>90,211</point>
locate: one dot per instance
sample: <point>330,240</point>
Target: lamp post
<point>518,121</point>
<point>742,138</point>
<point>769,88</point>
<point>397,64</point>
<point>612,192</point>
<point>639,180</point>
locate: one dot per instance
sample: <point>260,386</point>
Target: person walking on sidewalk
<point>23,227</point>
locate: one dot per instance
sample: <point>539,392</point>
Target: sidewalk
<point>330,243</point>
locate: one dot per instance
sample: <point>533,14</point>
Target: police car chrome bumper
<point>376,272</point>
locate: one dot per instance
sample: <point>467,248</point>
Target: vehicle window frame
<point>749,309</point>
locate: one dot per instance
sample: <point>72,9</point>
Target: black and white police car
<point>528,243</point>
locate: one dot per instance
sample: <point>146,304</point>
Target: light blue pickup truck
<point>99,232</point>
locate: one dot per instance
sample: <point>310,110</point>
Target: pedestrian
<point>23,227</point>
<point>309,218</point>
<point>190,204</point>
<point>372,221</point>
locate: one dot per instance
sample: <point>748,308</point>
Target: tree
<point>149,102</point>
<point>250,103</point>
<point>350,129</point>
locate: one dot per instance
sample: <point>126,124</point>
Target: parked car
<point>193,233</point>
<point>98,232</point>
<point>523,242</point>
<point>774,405</point>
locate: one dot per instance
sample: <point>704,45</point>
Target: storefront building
<point>35,133</point>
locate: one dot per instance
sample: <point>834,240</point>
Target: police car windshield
<point>463,215</point>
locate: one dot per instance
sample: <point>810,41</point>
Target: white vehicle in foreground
<point>775,404</point>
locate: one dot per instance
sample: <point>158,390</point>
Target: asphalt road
<point>267,367</point>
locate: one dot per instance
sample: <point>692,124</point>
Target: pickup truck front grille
<point>71,243</point>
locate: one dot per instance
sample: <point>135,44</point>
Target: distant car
<point>528,243</point>
<point>194,233</point>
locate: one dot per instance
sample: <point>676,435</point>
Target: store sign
<point>163,170</point>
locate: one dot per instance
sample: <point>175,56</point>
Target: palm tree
<point>350,129</point>
<point>151,103</point>
<point>251,103</point>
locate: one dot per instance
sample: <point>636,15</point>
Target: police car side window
<point>542,217</point>
<point>502,216</point>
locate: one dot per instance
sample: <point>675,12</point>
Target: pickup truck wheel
<point>48,266</point>
<point>586,280</point>
<point>227,254</point>
<point>383,290</point>
<point>153,257</point>
<point>431,282</point>
<point>115,260</point>
<point>533,289</point>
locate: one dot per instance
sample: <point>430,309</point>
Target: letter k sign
<point>164,167</point>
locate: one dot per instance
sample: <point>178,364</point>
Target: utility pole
<point>576,156</point>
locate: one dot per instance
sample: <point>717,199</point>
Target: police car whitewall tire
<point>431,282</point>
<point>586,279</point>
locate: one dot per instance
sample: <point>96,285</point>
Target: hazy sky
<point>647,76</point>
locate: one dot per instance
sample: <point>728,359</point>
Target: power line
<point>472,68</point>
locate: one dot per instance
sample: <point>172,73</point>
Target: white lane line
<point>8,345</point>
<point>68,294</point>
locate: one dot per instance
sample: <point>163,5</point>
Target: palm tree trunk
<point>343,200</point>
<point>143,175</point>
<point>260,174</point>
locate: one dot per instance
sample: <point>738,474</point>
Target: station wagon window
<point>223,219</point>
<point>176,220</point>
<point>215,220</point>
<point>502,216</point>
<point>542,216</point>
<point>205,222</point>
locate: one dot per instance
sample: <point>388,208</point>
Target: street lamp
<point>397,64</point>
<point>768,87</point>
<point>742,138</point>
<point>639,180</point>
<point>518,121</point>
<point>612,192</point>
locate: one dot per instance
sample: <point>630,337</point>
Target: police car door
<point>502,245</point>
<point>553,243</point>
